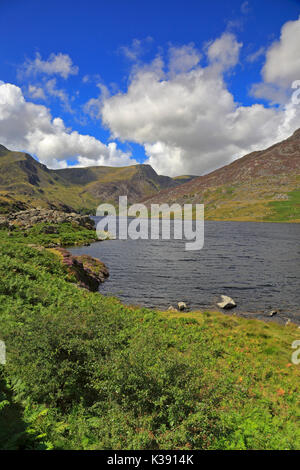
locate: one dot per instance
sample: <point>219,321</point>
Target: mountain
<point>25,183</point>
<point>263,185</point>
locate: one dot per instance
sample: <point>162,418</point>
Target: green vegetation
<point>67,235</point>
<point>286,210</point>
<point>260,200</point>
<point>84,371</point>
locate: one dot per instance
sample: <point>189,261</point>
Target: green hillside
<point>262,186</point>
<point>84,371</point>
<point>25,183</point>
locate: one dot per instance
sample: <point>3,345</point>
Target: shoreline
<point>72,331</point>
<point>266,318</point>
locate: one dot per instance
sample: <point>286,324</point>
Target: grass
<point>84,371</point>
<point>287,210</point>
<point>258,201</point>
<point>67,235</point>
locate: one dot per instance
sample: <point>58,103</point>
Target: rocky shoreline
<point>26,219</point>
<point>89,272</point>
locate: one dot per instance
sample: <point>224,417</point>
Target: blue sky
<point>107,47</point>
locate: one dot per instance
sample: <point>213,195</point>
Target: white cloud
<point>93,106</point>
<point>224,51</point>
<point>52,90</point>
<point>56,64</point>
<point>136,49</point>
<point>36,92</point>
<point>187,120</point>
<point>30,127</point>
<point>270,92</point>
<point>282,65</point>
<point>183,59</point>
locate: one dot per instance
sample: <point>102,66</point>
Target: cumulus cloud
<point>93,106</point>
<point>186,118</point>
<point>30,127</point>
<point>282,65</point>
<point>43,87</point>
<point>183,59</point>
<point>224,51</point>
<point>56,64</point>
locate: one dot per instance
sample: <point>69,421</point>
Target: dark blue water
<point>257,264</point>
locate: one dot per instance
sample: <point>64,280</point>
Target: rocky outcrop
<point>88,271</point>
<point>28,218</point>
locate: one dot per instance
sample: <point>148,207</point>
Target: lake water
<point>257,264</point>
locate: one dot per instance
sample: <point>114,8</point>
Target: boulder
<point>3,223</point>
<point>272,313</point>
<point>182,305</point>
<point>105,235</point>
<point>50,229</point>
<point>172,309</point>
<point>227,302</point>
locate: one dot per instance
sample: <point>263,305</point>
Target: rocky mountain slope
<point>264,185</point>
<point>26,183</point>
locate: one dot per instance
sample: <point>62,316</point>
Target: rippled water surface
<point>258,264</point>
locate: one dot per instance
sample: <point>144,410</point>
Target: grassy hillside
<point>26,183</point>
<point>259,201</point>
<point>84,371</point>
<point>262,186</point>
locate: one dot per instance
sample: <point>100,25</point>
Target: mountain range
<point>261,186</point>
<point>25,183</point>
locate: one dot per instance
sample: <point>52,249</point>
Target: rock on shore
<point>227,302</point>
<point>88,271</point>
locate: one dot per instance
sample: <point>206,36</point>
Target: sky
<point>185,86</point>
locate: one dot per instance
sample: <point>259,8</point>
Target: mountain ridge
<point>262,185</point>
<point>25,183</point>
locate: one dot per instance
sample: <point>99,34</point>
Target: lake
<point>257,264</point>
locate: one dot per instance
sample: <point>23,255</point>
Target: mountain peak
<point>3,149</point>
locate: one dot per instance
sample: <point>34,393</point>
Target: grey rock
<point>227,302</point>
<point>172,309</point>
<point>272,313</point>
<point>28,218</point>
<point>50,229</point>
<point>182,305</point>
